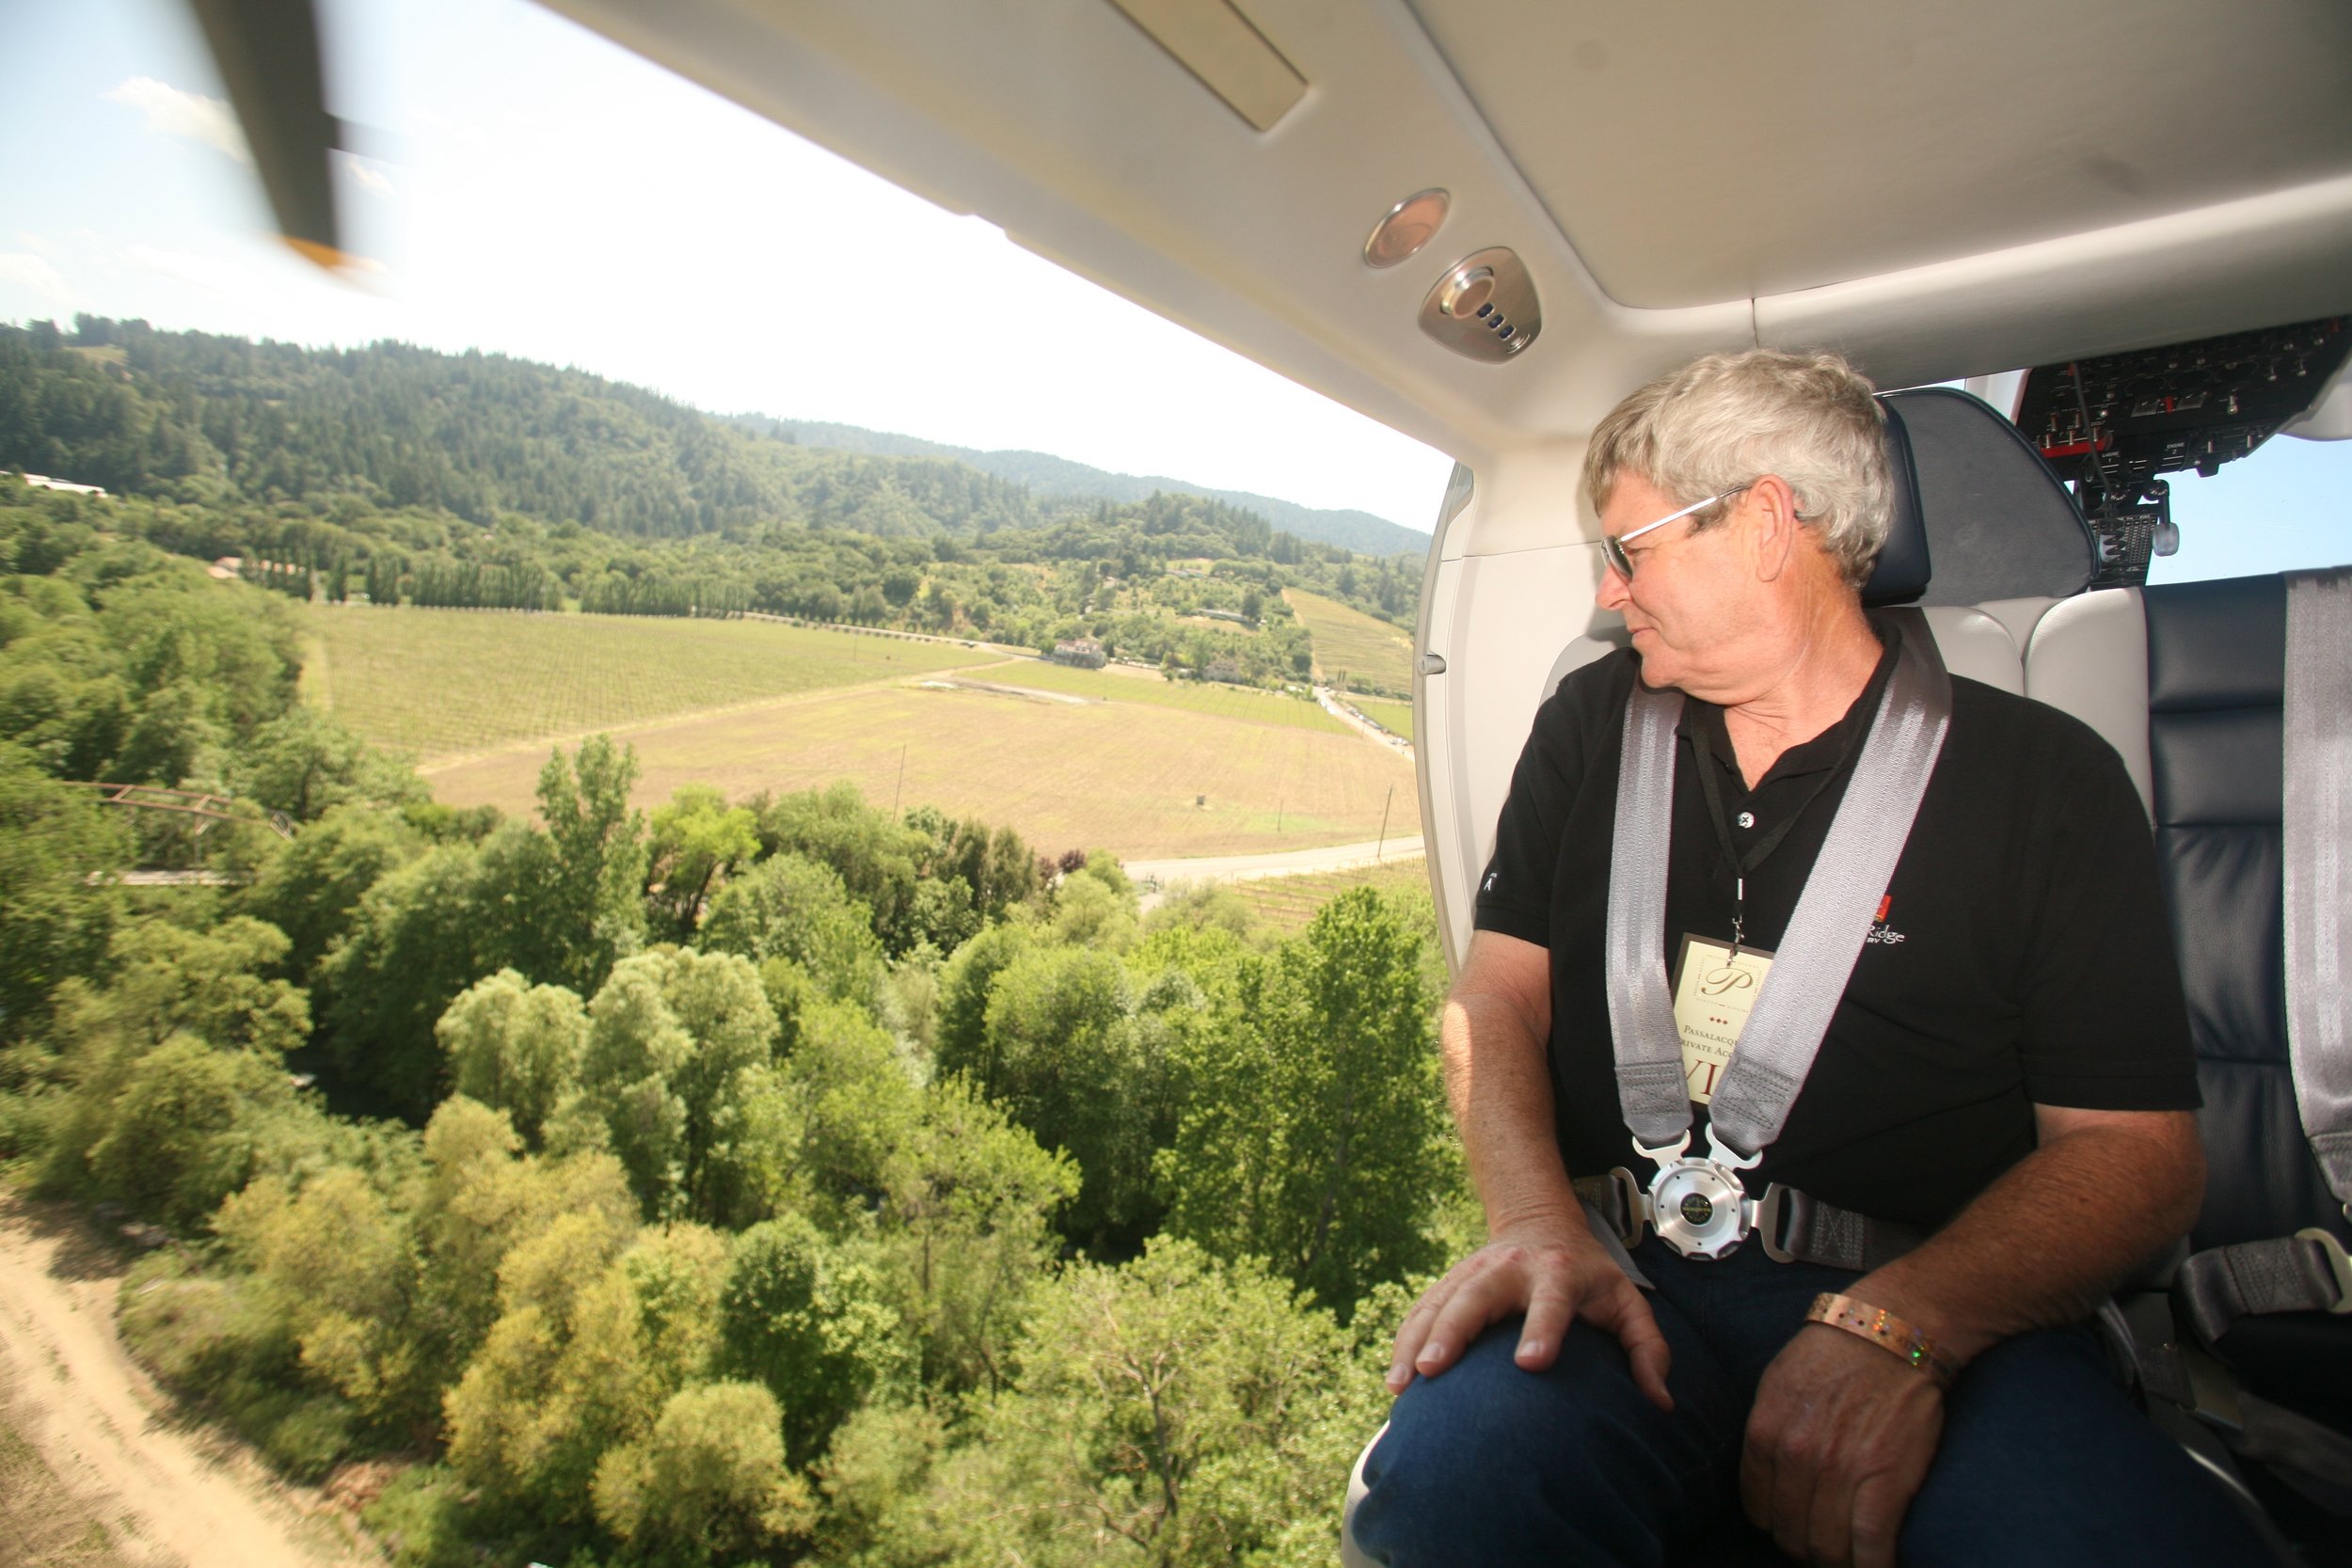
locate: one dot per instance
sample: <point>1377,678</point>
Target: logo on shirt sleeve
<point>1494,881</point>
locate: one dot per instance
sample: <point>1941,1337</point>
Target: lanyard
<point>1710,785</point>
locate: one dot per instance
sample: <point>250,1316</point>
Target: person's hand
<point>1553,1271</point>
<point>1839,1441</point>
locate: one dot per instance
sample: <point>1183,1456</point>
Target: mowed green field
<point>1126,776</point>
<point>1245,704</point>
<point>1396,717</point>
<point>1288,902</point>
<point>1350,641</point>
<point>439,683</point>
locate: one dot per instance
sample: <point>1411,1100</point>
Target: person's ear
<point>1773,508</point>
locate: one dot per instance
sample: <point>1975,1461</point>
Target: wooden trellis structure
<point>188,802</point>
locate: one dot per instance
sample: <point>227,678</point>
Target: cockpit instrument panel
<point>2111,425</point>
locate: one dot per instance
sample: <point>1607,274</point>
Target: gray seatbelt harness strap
<point>1698,1205</point>
<point>2307,1272</point>
<point>2318,837</point>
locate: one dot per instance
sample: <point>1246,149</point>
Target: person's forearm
<point>1501,1090</point>
<point>2047,1242</point>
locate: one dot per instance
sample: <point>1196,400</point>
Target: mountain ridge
<point>1049,476</point>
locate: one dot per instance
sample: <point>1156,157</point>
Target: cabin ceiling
<point>1692,153</point>
<point>1937,190</point>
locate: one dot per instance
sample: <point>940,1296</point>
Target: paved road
<point>1335,704</point>
<point>1294,863</point>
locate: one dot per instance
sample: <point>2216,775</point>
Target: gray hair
<point>1727,418</point>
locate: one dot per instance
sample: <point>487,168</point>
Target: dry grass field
<point>42,1524</point>
<point>1118,775</point>
<point>439,683</point>
<point>1350,642</point>
<point>1125,684</point>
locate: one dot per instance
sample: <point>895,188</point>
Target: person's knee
<point>1490,1462</point>
<point>2044,1460</point>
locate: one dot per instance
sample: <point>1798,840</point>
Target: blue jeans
<point>2044,1459</point>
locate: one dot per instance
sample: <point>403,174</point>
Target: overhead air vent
<point>1214,40</point>
<point>1485,307</point>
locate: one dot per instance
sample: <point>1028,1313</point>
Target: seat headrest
<point>1903,568</point>
<point>2002,525</point>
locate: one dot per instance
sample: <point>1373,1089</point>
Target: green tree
<point>591,902</point>
<point>807,1319</point>
<point>965,985</point>
<point>54,926</point>
<point>415,939</point>
<point>1314,1132</point>
<point>1061,1051</point>
<point>514,1047</point>
<point>479,1200</point>
<point>1171,1411</point>
<point>968,1205</point>
<point>677,1044</point>
<point>697,841</point>
<point>306,762</point>
<point>170,1148</point>
<point>708,1484</point>
<point>338,1265</point>
<point>590,1345</point>
<point>791,907</point>
<point>311,890</point>
<point>878,859</point>
<point>213,984</point>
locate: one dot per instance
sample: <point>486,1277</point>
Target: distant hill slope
<point>1054,478</point>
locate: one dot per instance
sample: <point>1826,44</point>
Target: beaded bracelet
<point>1883,1329</point>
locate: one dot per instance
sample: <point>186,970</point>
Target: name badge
<point>1714,989</point>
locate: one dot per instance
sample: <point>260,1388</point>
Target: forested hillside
<point>394,474</point>
<point>1050,477</point>
<point>776,1179</point>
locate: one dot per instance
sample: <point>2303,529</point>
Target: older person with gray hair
<point>1970,1084</point>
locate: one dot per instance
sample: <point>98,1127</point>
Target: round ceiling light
<point>1410,225</point>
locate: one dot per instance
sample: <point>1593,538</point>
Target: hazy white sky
<point>551,196</point>
<point>548,194</point>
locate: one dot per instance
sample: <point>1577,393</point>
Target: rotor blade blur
<point>268,56</point>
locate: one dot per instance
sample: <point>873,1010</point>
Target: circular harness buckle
<point>1698,1206</point>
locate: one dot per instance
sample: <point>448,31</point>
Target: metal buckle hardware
<point>2338,1263</point>
<point>1631,1206</point>
<point>1698,1206</point>
<point>1769,1210</point>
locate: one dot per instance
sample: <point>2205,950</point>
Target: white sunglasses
<point>1612,544</point>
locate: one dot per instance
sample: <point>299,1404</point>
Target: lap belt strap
<point>2307,1272</point>
<point>1699,1204</point>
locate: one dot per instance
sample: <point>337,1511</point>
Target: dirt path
<point>1287,863</point>
<point>170,1492</point>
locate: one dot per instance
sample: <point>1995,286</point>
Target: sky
<point>545,194</point>
<point>548,194</point>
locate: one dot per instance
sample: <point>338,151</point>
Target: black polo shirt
<point>2020,955</point>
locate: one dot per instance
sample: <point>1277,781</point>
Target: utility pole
<point>899,794</point>
<point>1384,826</point>
<point>1278,816</point>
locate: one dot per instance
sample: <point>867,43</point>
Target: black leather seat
<point>2217,658</point>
